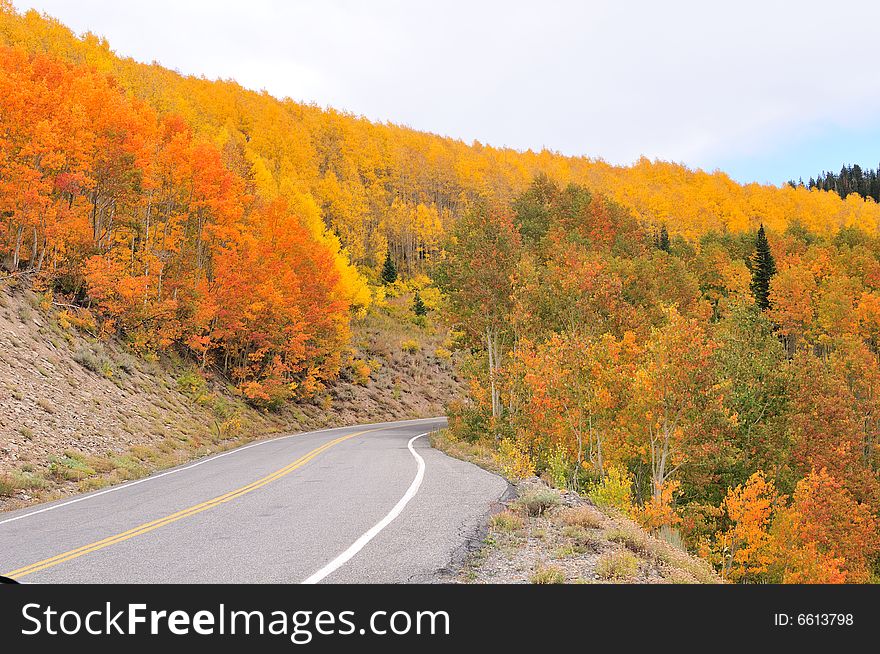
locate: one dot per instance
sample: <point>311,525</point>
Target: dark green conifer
<point>763,269</point>
<point>663,239</point>
<point>419,307</point>
<point>389,270</point>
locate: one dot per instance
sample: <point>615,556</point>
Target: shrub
<point>411,346</point>
<point>127,363</point>
<point>617,566</point>
<point>20,480</point>
<point>672,536</point>
<point>581,538</point>
<point>536,501</point>
<point>559,468</point>
<point>95,360</point>
<point>548,574</point>
<point>92,484</point>
<point>71,467</point>
<point>614,491</point>
<point>583,516</point>
<point>514,460</point>
<point>142,453</point>
<point>629,536</point>
<point>27,480</point>
<point>443,354</point>
<point>78,318</point>
<point>6,486</point>
<point>129,467</point>
<point>46,405</point>
<point>361,372</point>
<point>506,521</point>
<point>676,576</point>
<point>192,383</point>
<point>660,510</point>
<point>565,551</point>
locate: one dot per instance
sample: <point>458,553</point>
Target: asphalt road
<point>368,504</point>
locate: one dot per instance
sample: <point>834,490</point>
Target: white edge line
<point>174,471</point>
<point>359,544</point>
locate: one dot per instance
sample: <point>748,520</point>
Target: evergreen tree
<point>763,268</point>
<point>419,307</point>
<point>389,270</point>
<point>851,179</point>
<point>663,239</point>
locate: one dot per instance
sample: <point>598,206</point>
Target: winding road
<point>364,504</point>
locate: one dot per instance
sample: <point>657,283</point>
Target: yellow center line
<point>174,517</point>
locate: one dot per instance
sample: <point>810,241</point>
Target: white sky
<point>767,90</point>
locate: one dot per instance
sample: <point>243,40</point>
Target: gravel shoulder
<point>537,534</point>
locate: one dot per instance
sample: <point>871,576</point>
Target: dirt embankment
<point>78,413</point>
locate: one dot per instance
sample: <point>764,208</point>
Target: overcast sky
<point>766,90</point>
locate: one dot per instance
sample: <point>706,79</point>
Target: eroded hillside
<point>79,412</point>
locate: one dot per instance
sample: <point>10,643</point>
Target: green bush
<point>71,467</point>
<point>192,383</point>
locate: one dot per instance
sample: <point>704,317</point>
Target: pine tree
<point>419,307</point>
<point>389,270</point>
<point>763,268</point>
<point>663,239</point>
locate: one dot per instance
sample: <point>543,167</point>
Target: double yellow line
<point>180,515</point>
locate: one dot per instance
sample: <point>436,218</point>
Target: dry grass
<point>582,516</point>
<point>547,574</point>
<point>630,536</point>
<point>479,453</point>
<point>537,500</point>
<point>585,544</point>
<point>507,521</point>
<point>617,566</point>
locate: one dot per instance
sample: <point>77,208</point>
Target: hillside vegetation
<point>246,229</point>
<point>700,354</point>
<point>723,392</point>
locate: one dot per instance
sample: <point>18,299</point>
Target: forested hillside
<point>722,391</point>
<point>196,212</point>
<point>630,330</point>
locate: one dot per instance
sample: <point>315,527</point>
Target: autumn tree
<point>572,390</point>
<point>825,536</point>
<point>674,400</point>
<point>484,247</point>
<point>746,548</point>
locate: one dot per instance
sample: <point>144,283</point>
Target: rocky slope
<point>541,535</point>
<point>79,412</point>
